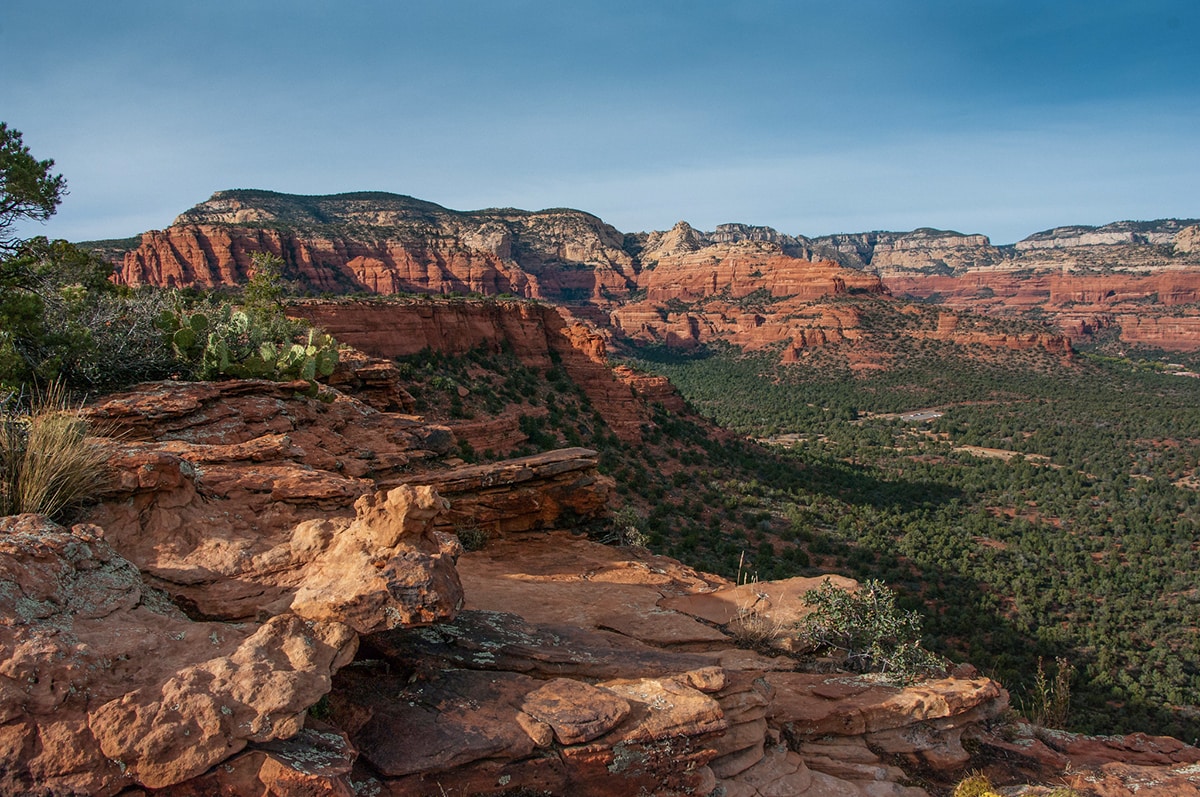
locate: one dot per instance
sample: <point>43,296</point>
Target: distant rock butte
<point>383,243</point>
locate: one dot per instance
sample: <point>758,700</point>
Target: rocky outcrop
<point>205,642</point>
<point>651,388</point>
<point>523,494</point>
<point>1187,240</point>
<point>602,682</point>
<point>580,668</point>
<point>282,557</point>
<point>105,684</point>
<point>256,499</point>
<point>232,495</point>
<point>373,380</point>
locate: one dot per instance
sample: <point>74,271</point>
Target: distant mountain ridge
<point>684,286</point>
<point>224,207</point>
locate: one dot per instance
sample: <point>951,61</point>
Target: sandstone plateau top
<point>254,207</point>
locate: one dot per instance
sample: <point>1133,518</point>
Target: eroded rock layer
<point>104,683</point>
<point>1139,279</point>
<point>750,286</point>
<point>384,243</point>
<point>537,334</point>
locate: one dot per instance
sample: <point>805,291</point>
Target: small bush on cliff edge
<point>1049,701</point>
<point>977,784</point>
<point>974,785</point>
<point>47,463</point>
<point>868,630</point>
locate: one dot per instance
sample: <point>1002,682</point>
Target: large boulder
<point>105,684</point>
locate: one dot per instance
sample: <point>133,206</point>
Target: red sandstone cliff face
<point>751,294</point>
<point>386,244</point>
<point>212,257</point>
<point>1053,290</point>
<point>536,333</point>
<point>739,270</point>
<point>1141,278</point>
<point>745,292</point>
<point>1153,309</point>
<point>1170,332</point>
<point>752,286</point>
<point>699,287</point>
<point>950,328</point>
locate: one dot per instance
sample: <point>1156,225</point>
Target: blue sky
<point>1002,118</point>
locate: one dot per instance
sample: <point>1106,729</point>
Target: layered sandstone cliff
<point>537,334</point>
<point>748,285</point>
<point>752,294</point>
<point>384,243</point>
<point>1121,246</point>
<point>922,250</point>
<point>743,290</point>
<point>1129,276</point>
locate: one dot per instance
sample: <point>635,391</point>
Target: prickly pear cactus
<point>248,345</point>
<point>185,331</point>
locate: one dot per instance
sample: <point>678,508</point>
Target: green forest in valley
<point>1050,511</point>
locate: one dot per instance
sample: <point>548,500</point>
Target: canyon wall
<point>537,334</point>
<point>749,285</point>
<point>1140,279</point>
<point>384,243</point>
<point>742,288</point>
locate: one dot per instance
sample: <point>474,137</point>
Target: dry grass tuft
<point>752,625</point>
<point>48,465</point>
